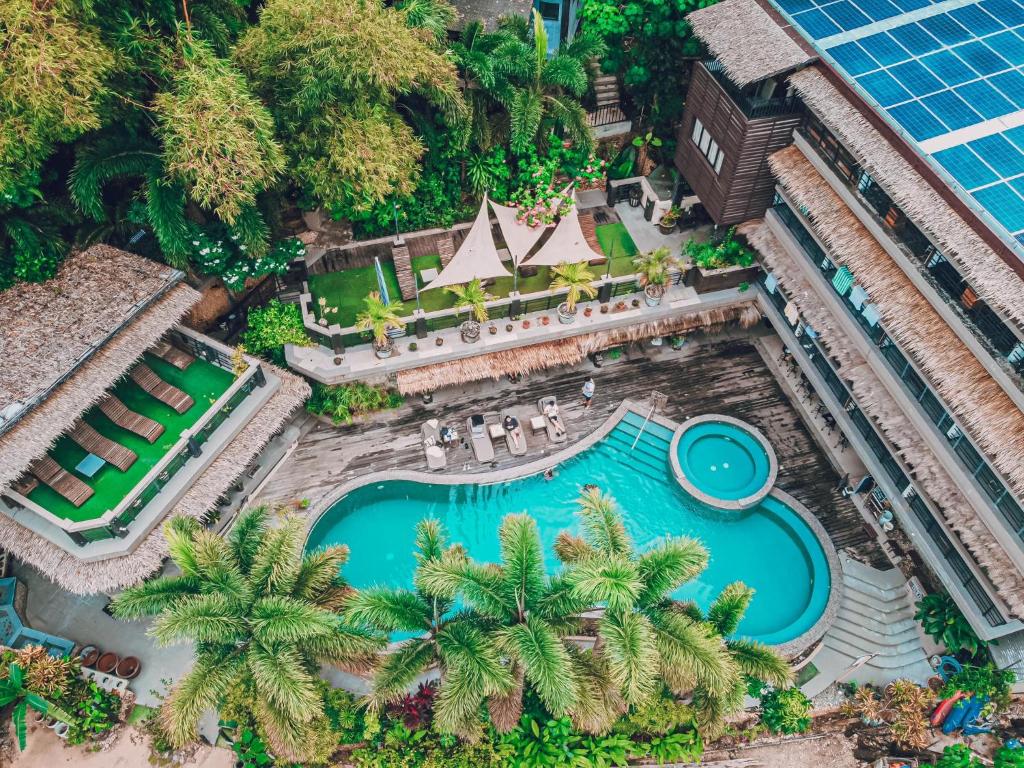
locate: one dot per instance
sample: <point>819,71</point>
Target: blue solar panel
<point>951,110</point>
<point>976,20</point>
<point>884,49</point>
<point>981,58</point>
<point>999,154</point>
<point>915,39</point>
<point>1011,85</point>
<point>845,15</point>
<point>965,166</point>
<point>916,79</point>
<point>817,23</point>
<point>985,99</point>
<point>949,68</point>
<point>795,6</point>
<point>1016,136</point>
<point>884,88</point>
<point>918,121</point>
<point>1007,45</point>
<point>945,29</point>
<point>879,9</point>
<point>1004,204</point>
<point>1007,11</point>
<point>855,59</point>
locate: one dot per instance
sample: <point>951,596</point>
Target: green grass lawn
<point>203,381</point>
<point>347,290</point>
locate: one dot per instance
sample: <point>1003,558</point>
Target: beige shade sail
<point>519,237</point>
<point>566,244</point>
<point>477,257</point>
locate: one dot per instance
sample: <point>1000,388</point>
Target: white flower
<point>195,242</point>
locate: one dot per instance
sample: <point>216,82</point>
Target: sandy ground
<point>830,752</point>
<point>130,750</point>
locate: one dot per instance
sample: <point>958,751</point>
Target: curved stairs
<point>876,619</point>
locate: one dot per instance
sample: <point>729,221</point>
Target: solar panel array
<point>950,74</point>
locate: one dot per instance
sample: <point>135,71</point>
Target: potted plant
<point>576,280</point>
<point>439,341</point>
<point>545,320</point>
<point>378,318</point>
<point>653,268</point>
<point>526,324</point>
<point>668,221</point>
<point>509,327</point>
<point>473,296</point>
<point>643,146</point>
<point>492,329</point>
<point>588,311</point>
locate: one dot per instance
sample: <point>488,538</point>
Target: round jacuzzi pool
<point>723,462</point>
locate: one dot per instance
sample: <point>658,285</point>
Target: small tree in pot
<point>378,318</point>
<point>473,296</point>
<point>653,268</point>
<point>574,278</point>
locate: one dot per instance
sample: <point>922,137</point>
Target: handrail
<point>643,427</point>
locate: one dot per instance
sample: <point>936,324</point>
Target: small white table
<point>428,275</point>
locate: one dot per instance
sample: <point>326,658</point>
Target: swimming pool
<point>769,547</point>
<point>723,461</point>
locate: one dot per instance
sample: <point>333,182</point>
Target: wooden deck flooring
<point>711,376</point>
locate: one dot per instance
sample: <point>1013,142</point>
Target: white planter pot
<point>470,330</point>
<point>383,352</point>
<point>565,316</point>
<point>653,297</point>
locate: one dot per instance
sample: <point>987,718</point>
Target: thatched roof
<point>988,274</point>
<point>115,573</point>
<point>748,42</point>
<point>48,327</point>
<point>979,403</point>
<point>33,434</point>
<point>875,400</point>
<point>553,354</point>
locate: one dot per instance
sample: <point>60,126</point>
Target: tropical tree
<point>263,620</point>
<point>575,278</point>
<point>547,92</point>
<point>13,691</point>
<point>378,318</point>
<point>470,665</point>
<point>472,295</point>
<point>654,267</point>
<point>643,633</point>
<point>524,612</point>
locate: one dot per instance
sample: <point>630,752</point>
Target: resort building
<point>114,415</point>
<point>873,153</point>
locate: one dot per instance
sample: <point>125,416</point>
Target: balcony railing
<point>753,106</point>
<point>994,490</point>
<point>898,473</point>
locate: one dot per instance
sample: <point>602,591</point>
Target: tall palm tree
<point>378,318</point>
<point>262,617</point>
<point>470,666</point>
<point>13,691</point>
<point>643,634</point>
<point>523,611</point>
<point>547,94</point>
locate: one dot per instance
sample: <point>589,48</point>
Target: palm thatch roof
<point>875,400</point>
<point>552,354</point>
<point>979,403</point>
<point>33,434</point>
<point>115,573</point>
<point>988,274</point>
<point>748,42</point>
<point>49,326</point>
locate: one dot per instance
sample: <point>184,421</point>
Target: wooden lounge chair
<point>50,473</point>
<point>168,394</point>
<point>125,418</point>
<point>555,423</point>
<point>104,447</point>
<point>483,448</point>
<point>169,353</point>
<point>515,439</point>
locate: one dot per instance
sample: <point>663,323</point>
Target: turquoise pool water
<point>768,546</point>
<point>723,460</point>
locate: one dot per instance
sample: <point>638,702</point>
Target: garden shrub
<point>227,259</point>
<point>273,326</point>
<point>942,620</point>
<point>662,715</point>
<point>727,252</point>
<point>982,681</point>
<point>342,402</point>
<point>785,710</point>
<point>1009,757</point>
<point>958,756</point>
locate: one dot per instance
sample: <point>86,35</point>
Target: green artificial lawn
<point>203,381</point>
<point>347,290</point>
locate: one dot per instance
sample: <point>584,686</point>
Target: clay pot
<point>89,655</point>
<point>107,663</point>
<point>128,668</point>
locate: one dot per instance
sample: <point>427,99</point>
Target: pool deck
<point>717,374</point>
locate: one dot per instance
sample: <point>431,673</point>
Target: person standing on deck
<point>588,391</point>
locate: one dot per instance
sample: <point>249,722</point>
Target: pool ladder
<point>657,400</point>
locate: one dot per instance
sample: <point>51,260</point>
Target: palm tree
<point>524,612</point>
<point>470,666</point>
<point>575,278</point>
<point>472,295</point>
<point>547,95</point>
<point>378,318</point>
<point>13,691</point>
<point>643,634</point>
<point>654,267</point>
<point>263,619</point>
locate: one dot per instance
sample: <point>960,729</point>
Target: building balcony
<point>747,99</point>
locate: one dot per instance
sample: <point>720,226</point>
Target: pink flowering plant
<point>227,259</point>
<point>542,181</point>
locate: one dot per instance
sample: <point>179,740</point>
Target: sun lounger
<point>171,354</point>
<point>125,418</point>
<point>515,439</point>
<point>104,447</point>
<point>555,424</point>
<point>50,473</point>
<point>430,435</point>
<point>435,457</point>
<point>483,448</point>
<point>168,394</point>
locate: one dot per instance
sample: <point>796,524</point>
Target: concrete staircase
<point>876,619</point>
<point>606,90</point>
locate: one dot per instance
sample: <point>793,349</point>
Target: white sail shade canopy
<point>566,244</point>
<point>519,237</point>
<point>477,257</point>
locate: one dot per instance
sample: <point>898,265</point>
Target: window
<point>551,11</point>
<point>707,146</point>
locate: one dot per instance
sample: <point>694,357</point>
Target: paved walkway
<point>646,235</point>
